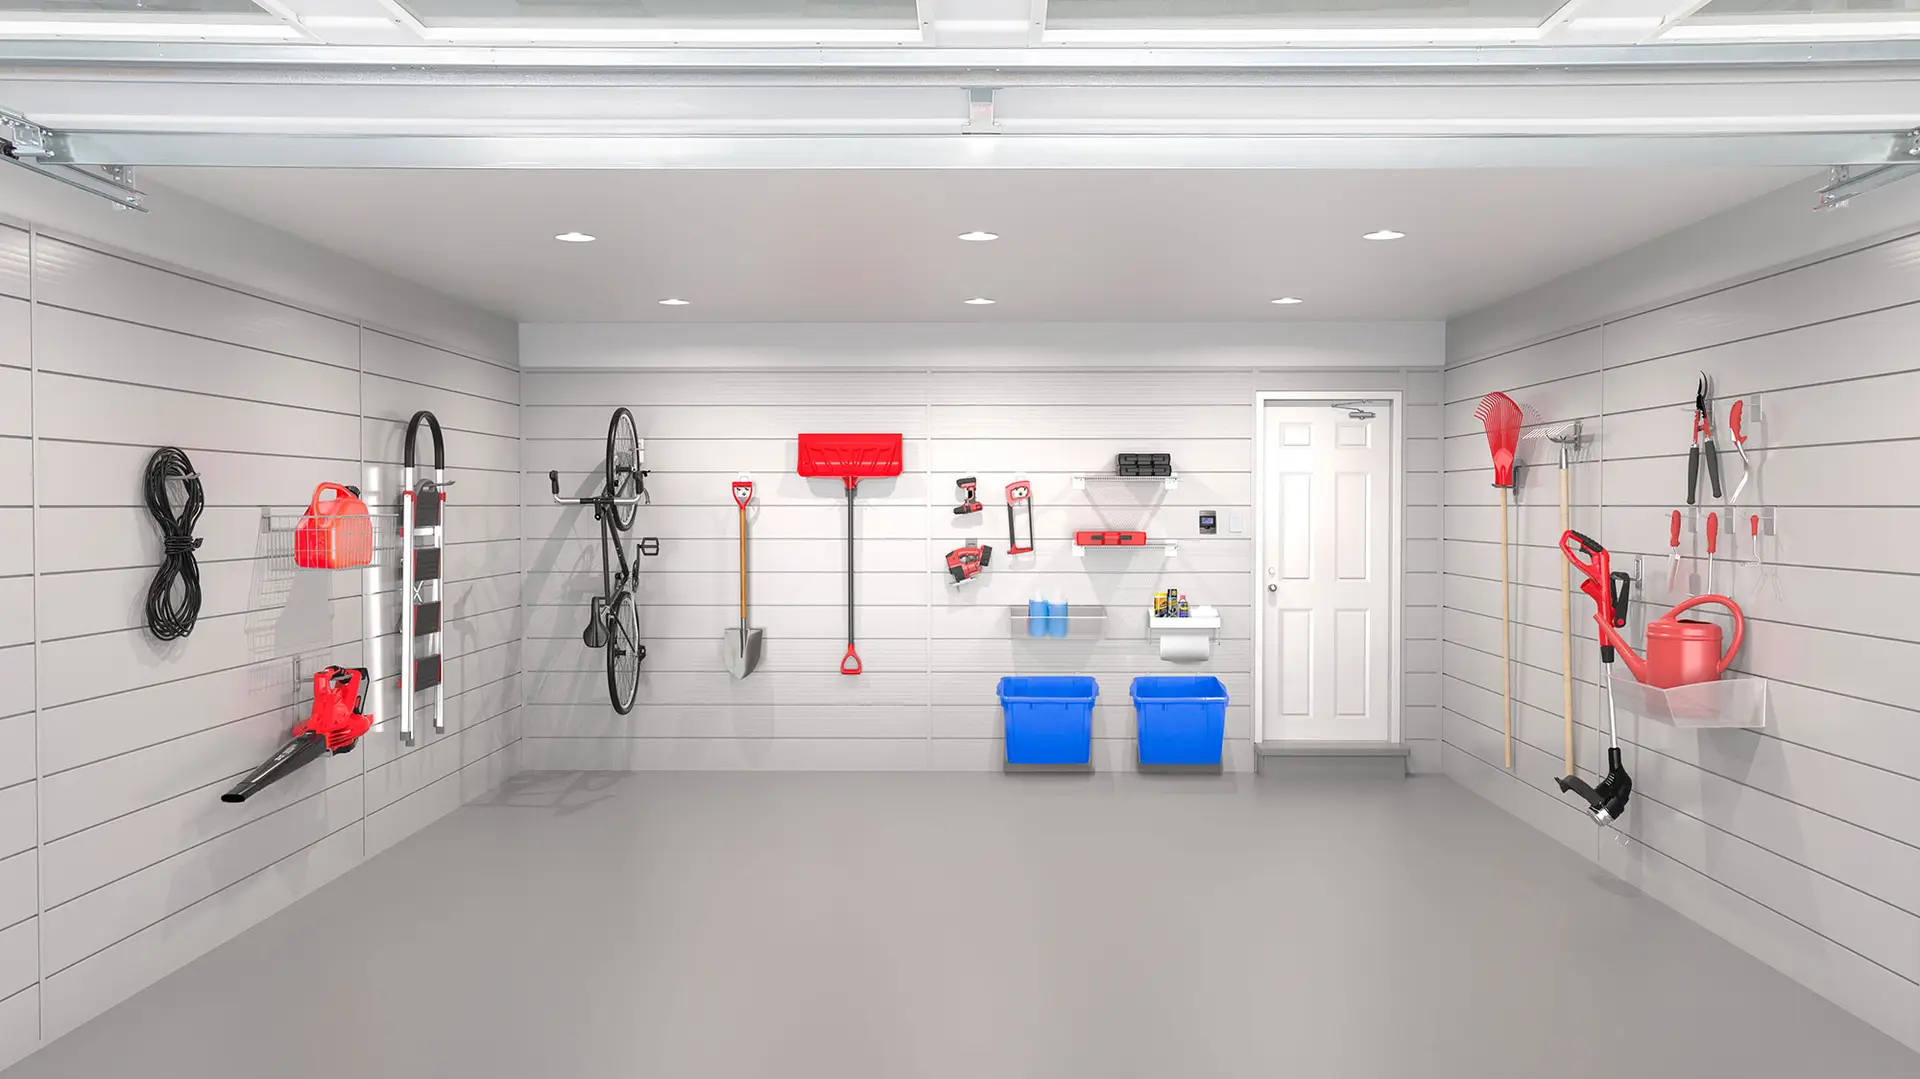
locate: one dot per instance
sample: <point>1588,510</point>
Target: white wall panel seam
<point>39,808</point>
<point>1684,864</point>
<point>1729,835</point>
<point>201,841</point>
<point>1644,747</point>
<point>195,336</point>
<point>210,895</point>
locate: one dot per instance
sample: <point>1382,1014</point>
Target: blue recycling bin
<point>1049,719</point>
<point>1182,719</point>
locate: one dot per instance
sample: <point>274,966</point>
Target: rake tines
<point>1502,419</point>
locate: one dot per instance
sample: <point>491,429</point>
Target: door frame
<point>1397,501</point>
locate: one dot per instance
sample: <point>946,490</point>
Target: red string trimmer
<point>850,459</point>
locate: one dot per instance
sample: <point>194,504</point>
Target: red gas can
<point>334,534</point>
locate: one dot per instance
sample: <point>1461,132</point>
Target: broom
<point>1501,417</point>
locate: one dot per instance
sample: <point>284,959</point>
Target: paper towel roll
<point>1184,647</point>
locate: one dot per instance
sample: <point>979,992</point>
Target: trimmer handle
<point>1596,566</point>
<point>1617,610</point>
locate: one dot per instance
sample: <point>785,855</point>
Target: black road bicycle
<point>613,617</point>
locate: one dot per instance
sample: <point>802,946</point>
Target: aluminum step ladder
<point>422,543</point>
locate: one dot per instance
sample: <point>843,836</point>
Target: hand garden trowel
<point>743,644</point>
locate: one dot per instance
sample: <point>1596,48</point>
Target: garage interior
<point>1028,536</point>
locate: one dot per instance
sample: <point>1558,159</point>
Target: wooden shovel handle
<point>743,567</point>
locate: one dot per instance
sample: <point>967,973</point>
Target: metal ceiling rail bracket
<point>980,119</point>
<point>30,146</point>
<point>1849,181</point>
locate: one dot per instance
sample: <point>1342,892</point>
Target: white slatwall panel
<point>1798,842</point>
<point>932,654</point>
<point>118,863</point>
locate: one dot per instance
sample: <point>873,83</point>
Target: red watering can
<point>1680,651</point>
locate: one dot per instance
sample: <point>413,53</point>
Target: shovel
<point>743,644</point>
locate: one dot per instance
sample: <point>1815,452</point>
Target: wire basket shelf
<point>344,542</point>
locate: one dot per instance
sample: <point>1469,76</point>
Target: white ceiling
<point>879,246</point>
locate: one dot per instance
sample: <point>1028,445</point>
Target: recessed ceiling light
<point>574,238</point>
<point>674,301</point>
<point>1286,300</point>
<point>978,237</point>
<point>979,301</point>
<point>1384,234</point>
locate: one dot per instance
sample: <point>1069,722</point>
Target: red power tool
<point>336,723</point>
<point>965,563</point>
<point>969,496</point>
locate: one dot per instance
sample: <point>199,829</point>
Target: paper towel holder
<point>1186,640</point>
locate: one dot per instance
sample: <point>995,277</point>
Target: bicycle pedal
<point>650,546</point>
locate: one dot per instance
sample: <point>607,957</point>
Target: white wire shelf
<point>1169,482</point>
<point>1170,546</point>
<point>1081,620</point>
<point>355,541</point>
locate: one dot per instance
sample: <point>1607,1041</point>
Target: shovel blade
<point>741,660</point>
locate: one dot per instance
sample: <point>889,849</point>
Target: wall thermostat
<point>1209,522</point>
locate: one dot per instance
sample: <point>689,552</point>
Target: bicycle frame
<point>611,584</point>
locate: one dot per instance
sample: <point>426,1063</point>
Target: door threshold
<point>1368,759</point>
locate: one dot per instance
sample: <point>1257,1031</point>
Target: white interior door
<point>1327,566</point>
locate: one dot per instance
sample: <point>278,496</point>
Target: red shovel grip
<point>850,664</point>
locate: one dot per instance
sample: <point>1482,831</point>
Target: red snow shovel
<point>850,459</point>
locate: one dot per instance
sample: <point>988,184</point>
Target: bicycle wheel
<point>624,653</point>
<point>623,467</point>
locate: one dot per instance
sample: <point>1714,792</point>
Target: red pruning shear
<point>1702,438</point>
<point>1739,443</point>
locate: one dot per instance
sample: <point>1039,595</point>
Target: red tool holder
<point>1110,539</point>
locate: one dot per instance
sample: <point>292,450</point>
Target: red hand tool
<point>1702,440</point>
<point>1019,497</point>
<point>1739,443</point>
<point>1753,527</point>
<point>1713,545</point>
<point>1673,552</point>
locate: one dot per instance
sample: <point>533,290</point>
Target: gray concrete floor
<point>897,926</point>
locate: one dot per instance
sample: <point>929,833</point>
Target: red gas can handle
<point>1739,625</point>
<point>345,494</point>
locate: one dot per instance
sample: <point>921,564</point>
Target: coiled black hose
<point>169,618</point>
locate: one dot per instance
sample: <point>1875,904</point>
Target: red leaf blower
<point>336,723</point>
